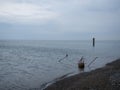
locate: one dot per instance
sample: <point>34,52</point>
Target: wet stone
<point>115,81</point>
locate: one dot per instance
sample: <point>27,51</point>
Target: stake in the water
<point>93,42</point>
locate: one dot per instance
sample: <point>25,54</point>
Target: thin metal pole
<point>93,42</point>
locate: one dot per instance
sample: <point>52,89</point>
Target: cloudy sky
<point>60,19</point>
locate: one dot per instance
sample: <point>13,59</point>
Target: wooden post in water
<point>93,42</point>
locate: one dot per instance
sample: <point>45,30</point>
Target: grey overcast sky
<point>60,19</point>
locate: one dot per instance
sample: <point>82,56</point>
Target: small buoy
<point>66,55</point>
<point>81,65</point>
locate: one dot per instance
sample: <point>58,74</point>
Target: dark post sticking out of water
<point>93,42</point>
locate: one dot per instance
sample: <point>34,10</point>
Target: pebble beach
<point>105,78</point>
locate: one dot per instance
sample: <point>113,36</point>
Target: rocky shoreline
<point>105,78</point>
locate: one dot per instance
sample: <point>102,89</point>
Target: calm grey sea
<point>28,65</point>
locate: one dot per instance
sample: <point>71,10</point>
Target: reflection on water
<point>26,65</point>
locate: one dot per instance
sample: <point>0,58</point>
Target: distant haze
<point>59,19</point>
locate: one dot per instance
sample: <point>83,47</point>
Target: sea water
<point>29,65</point>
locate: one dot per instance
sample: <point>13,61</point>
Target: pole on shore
<point>93,41</point>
